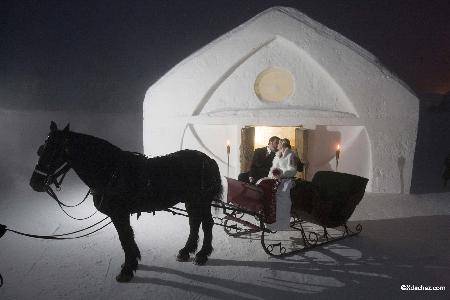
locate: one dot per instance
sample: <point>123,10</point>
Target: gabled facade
<point>282,68</point>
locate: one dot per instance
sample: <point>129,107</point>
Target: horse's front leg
<point>132,253</point>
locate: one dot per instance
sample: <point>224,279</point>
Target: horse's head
<point>52,160</point>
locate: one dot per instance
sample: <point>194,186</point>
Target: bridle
<point>52,177</point>
<point>55,175</point>
<point>50,174</point>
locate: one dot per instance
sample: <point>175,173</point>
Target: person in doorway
<point>284,168</point>
<point>284,164</point>
<point>261,162</point>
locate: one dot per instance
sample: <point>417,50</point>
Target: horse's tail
<point>216,187</point>
<point>216,182</point>
<point>211,181</point>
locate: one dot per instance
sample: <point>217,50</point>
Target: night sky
<point>104,55</point>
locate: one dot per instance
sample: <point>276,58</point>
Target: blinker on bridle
<point>52,177</point>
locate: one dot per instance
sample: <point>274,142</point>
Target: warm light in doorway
<point>263,134</point>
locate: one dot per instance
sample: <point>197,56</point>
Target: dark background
<point>103,55</point>
<point>81,57</point>
<point>73,60</point>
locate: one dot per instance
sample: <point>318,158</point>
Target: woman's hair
<point>285,143</point>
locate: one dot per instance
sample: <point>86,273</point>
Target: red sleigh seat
<point>259,199</point>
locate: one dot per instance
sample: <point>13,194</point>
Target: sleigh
<point>319,212</point>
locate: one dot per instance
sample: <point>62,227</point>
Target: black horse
<point>123,183</point>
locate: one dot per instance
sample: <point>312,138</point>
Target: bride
<point>284,168</point>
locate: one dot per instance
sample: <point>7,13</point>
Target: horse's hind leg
<point>207,224</point>
<point>192,241</point>
<point>132,253</point>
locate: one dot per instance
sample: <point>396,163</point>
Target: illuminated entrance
<point>253,137</point>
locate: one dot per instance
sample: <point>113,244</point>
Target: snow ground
<point>405,241</point>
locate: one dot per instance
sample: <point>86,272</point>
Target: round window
<point>274,85</point>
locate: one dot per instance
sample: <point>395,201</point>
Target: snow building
<point>282,73</point>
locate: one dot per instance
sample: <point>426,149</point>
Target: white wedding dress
<point>287,163</point>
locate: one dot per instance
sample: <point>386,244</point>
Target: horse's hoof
<point>200,260</point>
<point>124,276</point>
<point>183,256</point>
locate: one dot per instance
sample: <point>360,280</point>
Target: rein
<point>63,236</point>
<point>61,204</point>
<point>53,179</point>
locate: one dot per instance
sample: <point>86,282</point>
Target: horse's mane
<point>92,157</point>
<point>91,142</point>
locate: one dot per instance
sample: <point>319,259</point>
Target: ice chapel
<point>282,73</point>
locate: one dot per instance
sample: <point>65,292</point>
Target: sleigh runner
<point>319,212</point>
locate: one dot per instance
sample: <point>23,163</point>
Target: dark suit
<point>261,163</point>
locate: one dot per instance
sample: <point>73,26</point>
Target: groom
<point>261,162</point>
